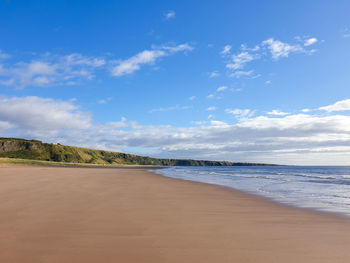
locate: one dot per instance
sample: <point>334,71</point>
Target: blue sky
<point>259,81</point>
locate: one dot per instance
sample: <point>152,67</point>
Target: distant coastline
<point>22,151</point>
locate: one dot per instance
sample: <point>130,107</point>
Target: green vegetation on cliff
<point>37,150</point>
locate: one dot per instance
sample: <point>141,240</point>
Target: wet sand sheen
<point>125,215</point>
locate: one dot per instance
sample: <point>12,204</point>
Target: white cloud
<point>343,105</point>
<point>171,108</point>
<point>278,113</point>
<point>218,94</point>
<point>241,73</point>
<point>169,15</point>
<point>236,90</point>
<point>199,122</point>
<point>119,124</point>
<point>134,63</point>
<point>50,70</point>
<point>276,48</point>
<point>302,122</point>
<point>66,70</point>
<point>104,101</point>
<point>221,88</point>
<point>280,49</point>
<point>240,113</point>
<point>4,125</point>
<point>173,49</point>
<point>310,41</point>
<point>78,59</point>
<point>346,32</point>
<point>268,82</point>
<point>212,108</point>
<point>218,123</point>
<point>214,74</point>
<point>244,47</point>
<point>305,110</point>
<point>192,98</point>
<point>240,60</point>
<point>226,50</point>
<point>130,65</point>
<point>36,113</point>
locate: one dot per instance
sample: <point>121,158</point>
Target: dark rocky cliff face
<point>11,146</point>
<point>23,149</point>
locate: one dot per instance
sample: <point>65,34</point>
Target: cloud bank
<point>289,139</point>
<point>146,57</point>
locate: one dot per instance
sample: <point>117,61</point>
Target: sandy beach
<point>68,215</point>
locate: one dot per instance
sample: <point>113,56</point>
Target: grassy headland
<point>14,150</point>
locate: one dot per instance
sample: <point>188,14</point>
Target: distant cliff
<point>37,150</point>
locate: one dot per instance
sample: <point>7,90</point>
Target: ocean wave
<point>320,188</point>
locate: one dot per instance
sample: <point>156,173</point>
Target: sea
<point>322,188</point>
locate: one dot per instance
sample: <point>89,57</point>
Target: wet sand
<point>66,215</point>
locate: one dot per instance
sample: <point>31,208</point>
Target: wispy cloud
<point>343,105</point>
<point>346,32</point>
<point>170,14</point>
<point>226,50</point>
<point>214,74</point>
<point>280,49</point>
<point>217,123</point>
<point>134,63</point>
<point>241,73</point>
<point>65,70</point>
<point>146,57</point>
<point>306,110</point>
<point>219,92</point>
<point>212,108</point>
<point>253,49</point>
<point>240,113</point>
<point>199,122</point>
<point>277,113</point>
<point>221,88</point>
<point>310,41</point>
<point>50,70</point>
<point>270,47</point>
<point>240,60</point>
<point>192,98</point>
<point>171,108</point>
<point>104,101</point>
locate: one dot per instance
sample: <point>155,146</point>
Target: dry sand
<point>66,215</point>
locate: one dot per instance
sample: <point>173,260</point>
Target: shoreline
<point>265,198</point>
<point>151,168</point>
<point>134,215</point>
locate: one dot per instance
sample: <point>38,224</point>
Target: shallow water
<point>322,188</point>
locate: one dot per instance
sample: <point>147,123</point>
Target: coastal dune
<point>57,215</point>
